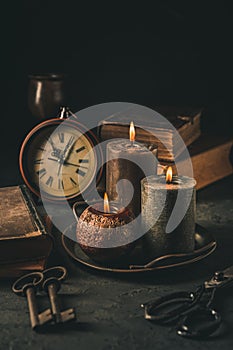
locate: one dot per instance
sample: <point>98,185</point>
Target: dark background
<point>174,53</point>
<point>177,53</point>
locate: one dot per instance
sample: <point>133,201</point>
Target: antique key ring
<point>50,281</point>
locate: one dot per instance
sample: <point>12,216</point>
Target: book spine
<point>33,211</point>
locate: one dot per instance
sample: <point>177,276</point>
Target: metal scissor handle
<point>169,308</point>
<point>200,323</point>
<point>198,319</point>
<point>33,279</point>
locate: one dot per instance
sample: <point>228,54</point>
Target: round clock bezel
<point>90,136</point>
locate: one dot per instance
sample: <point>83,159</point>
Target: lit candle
<point>103,232</point>
<point>128,161</point>
<point>159,195</point>
<point>106,203</point>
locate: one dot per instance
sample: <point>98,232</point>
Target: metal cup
<point>46,93</point>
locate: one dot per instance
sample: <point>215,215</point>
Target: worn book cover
<point>212,159</point>
<point>185,120</point>
<point>23,237</point>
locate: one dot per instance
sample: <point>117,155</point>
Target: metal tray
<point>205,244</point>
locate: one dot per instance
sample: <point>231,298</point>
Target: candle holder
<point>105,237</point>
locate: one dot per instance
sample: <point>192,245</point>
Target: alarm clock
<point>60,158</point>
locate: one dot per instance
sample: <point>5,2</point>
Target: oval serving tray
<point>205,244</point>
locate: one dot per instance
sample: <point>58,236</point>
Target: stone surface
<point>108,306</point>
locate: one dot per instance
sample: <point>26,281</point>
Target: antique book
<point>185,120</point>
<point>212,159</point>
<point>23,237</point>
<point>20,268</point>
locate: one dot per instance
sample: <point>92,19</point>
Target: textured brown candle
<point>128,160</point>
<point>160,196</point>
<point>103,233</point>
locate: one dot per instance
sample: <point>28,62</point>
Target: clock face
<point>59,160</point>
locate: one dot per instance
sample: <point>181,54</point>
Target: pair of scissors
<point>194,310</point>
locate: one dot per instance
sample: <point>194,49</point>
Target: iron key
<point>52,285</point>
<point>27,286</point>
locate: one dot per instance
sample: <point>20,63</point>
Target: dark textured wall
<point>176,52</point>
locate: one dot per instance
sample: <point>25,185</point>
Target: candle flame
<point>106,203</point>
<point>132,132</point>
<point>169,175</point>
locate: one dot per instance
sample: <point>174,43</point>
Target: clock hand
<point>68,148</point>
<point>60,164</point>
<point>59,169</point>
<point>77,165</point>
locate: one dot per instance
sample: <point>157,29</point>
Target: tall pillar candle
<point>160,196</point>
<point>128,160</point>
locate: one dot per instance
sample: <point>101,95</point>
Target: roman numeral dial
<point>61,161</point>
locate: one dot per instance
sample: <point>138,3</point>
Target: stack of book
<point>24,243</point>
<point>211,157</point>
